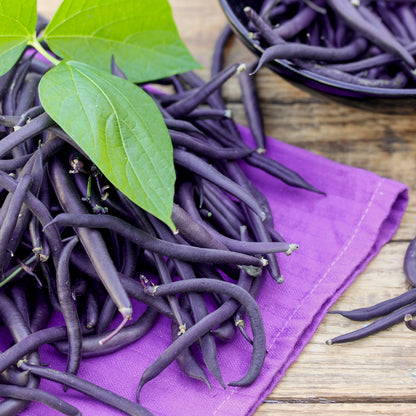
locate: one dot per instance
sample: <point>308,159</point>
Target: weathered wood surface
<point>376,375</point>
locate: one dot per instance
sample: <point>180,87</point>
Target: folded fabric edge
<point>394,207</point>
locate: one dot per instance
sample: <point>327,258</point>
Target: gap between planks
<point>343,399</point>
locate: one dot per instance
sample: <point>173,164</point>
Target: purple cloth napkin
<point>338,235</point>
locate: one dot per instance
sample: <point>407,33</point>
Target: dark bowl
<point>386,100</point>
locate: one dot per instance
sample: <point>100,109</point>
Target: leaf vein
<point>118,123</point>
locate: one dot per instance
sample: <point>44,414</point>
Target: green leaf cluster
<point>113,121</point>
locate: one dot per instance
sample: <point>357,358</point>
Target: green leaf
<point>119,127</point>
<point>17,26</point>
<point>141,35</point>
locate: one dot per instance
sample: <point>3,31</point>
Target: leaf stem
<point>34,42</point>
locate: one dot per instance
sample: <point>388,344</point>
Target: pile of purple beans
<point>364,42</point>
<point>72,244</point>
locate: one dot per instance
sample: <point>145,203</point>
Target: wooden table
<point>376,375</point>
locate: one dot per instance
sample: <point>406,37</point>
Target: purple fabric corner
<point>338,235</point>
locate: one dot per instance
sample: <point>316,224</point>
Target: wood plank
<point>47,7</point>
<point>330,409</point>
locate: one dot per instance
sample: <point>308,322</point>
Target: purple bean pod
<point>89,389</point>
<point>409,263</point>
<point>68,308</point>
<point>186,105</point>
<point>224,312</point>
<point>382,308</point>
<point>91,240</point>
<point>380,324</point>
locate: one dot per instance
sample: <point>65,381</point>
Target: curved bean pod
<point>89,389</point>
<point>32,394</point>
<point>68,308</point>
<point>224,312</point>
<point>220,44</point>
<point>296,24</point>
<point>409,263</point>
<point>373,61</point>
<point>14,163</point>
<point>29,344</point>
<point>12,215</point>
<point>92,311</point>
<point>380,324</point>
<point>318,53</point>
<point>187,361</point>
<point>252,108</point>
<point>382,308</point>
<point>91,346</point>
<point>10,99</point>
<point>206,149</point>
<point>187,104</point>
<point>29,130</point>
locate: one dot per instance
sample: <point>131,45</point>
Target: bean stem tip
<point>182,329</point>
<point>126,318</point>
<point>292,248</point>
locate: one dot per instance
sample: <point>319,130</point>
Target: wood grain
<point>325,408</point>
<point>376,375</point>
